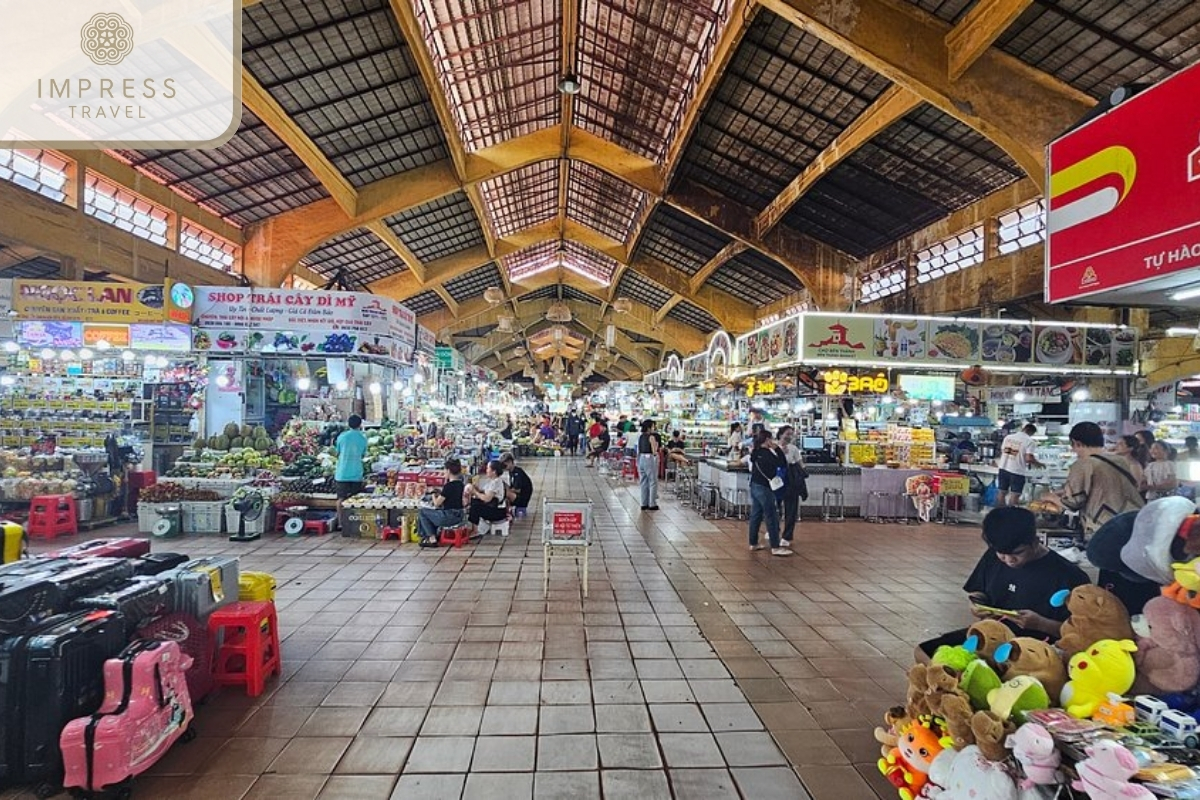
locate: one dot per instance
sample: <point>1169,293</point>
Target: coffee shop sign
<point>839,382</point>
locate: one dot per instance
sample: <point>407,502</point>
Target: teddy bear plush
<point>940,682</point>
<point>1096,614</point>
<point>985,636</point>
<point>990,732</point>
<point>915,702</point>
<point>1106,772</point>
<point>1034,749</point>
<point>1035,658</point>
<point>1169,658</point>
<point>957,714</point>
<point>888,734</point>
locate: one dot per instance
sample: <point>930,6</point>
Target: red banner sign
<point>1124,195</point>
<point>567,524</point>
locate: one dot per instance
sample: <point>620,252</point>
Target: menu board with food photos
<point>862,338</point>
<point>777,343</point>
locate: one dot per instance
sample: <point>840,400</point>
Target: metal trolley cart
<point>566,531</point>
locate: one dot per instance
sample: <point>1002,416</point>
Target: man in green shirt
<point>351,447</point>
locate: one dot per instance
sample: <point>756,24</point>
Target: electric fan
<point>250,507</point>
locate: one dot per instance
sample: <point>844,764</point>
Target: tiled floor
<point>694,669</point>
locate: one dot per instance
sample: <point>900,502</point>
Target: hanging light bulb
<point>103,345</point>
<point>304,383</point>
<point>8,380</point>
<point>342,386</point>
<point>223,380</point>
<point>375,388</point>
<point>48,354</point>
<point>86,355</point>
<point>11,347</point>
<point>128,355</point>
<point>1081,393</point>
<point>418,377</point>
<point>397,384</point>
<point>67,355</point>
<point>1019,397</point>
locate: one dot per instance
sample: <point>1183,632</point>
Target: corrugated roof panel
<point>474,283</point>
<point>522,198</point>
<point>695,316</point>
<point>498,64</point>
<point>531,260</point>
<point>946,10</point>
<point>638,287</point>
<point>589,263</point>
<point>783,98</point>
<point>1098,45</point>
<point>754,278</point>
<point>641,61</point>
<point>679,240</point>
<point>425,303</point>
<point>439,228</point>
<point>603,202</point>
<point>358,255</point>
<point>252,176</point>
<point>344,73</point>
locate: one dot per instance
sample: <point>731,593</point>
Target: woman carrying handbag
<point>766,460</point>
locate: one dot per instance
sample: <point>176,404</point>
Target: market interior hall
<point>605,399</point>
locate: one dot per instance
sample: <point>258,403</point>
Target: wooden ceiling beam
<point>388,237</point>
<point>977,30</point>
<point>729,251</point>
<point>894,103</point>
<point>1018,107</point>
<point>450,302</point>
<point>662,312</point>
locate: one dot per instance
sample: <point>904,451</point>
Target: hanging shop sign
<point>402,324</point>
<point>88,301</point>
<point>426,341</point>
<point>927,387</point>
<point>114,335</point>
<point>180,299</point>
<point>840,382</point>
<point>1124,194</point>
<point>50,334</point>
<point>1024,394</point>
<point>756,387</point>
<point>162,337</point>
<point>950,342</point>
<point>775,344</point>
<point>448,358</point>
<point>298,310</point>
<point>695,369</point>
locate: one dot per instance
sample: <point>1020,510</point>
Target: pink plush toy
<point>1106,771</point>
<point>1033,747</point>
<point>1169,659</point>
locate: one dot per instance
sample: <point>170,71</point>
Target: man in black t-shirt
<point>1017,576</point>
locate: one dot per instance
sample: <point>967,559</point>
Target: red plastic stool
<point>389,532</point>
<point>456,536</point>
<point>245,638</point>
<point>52,515</point>
<point>629,470</point>
<point>316,527</point>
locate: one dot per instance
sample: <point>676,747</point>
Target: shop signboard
<point>1024,394</point>
<point>114,335</point>
<point>50,334</point>
<point>180,299</point>
<point>88,301</point>
<point>448,359</point>
<point>168,337</point>
<point>695,368</point>
<point>426,341</point>
<point>302,311</point>
<point>927,387</point>
<point>1124,194</point>
<point>837,337</point>
<point>777,343</point>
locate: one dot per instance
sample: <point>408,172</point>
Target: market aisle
<point>694,668</point>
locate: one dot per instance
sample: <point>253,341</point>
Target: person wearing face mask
<point>1014,581</point>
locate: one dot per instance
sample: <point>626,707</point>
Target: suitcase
<point>140,599</point>
<point>203,585</point>
<point>192,637</point>
<point>35,588</point>
<point>156,563</point>
<point>14,541</point>
<point>48,677</point>
<point>107,548</point>
<point>256,586</point>
<point>146,709</point>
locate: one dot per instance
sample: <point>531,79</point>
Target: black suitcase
<point>156,563</point>
<point>140,600</point>
<point>23,601</point>
<point>39,589</point>
<point>48,677</point>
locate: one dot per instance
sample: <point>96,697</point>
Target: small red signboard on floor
<point>568,524</point>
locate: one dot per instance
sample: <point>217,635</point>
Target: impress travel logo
<point>121,73</point>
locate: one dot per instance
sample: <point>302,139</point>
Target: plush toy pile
<point>1104,713</point>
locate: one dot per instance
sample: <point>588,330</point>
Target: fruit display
<point>23,489</point>
<point>234,437</point>
<point>309,486</point>
<point>299,439</point>
<point>168,492</point>
<point>305,467</point>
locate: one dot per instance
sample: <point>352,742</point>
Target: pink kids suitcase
<point>146,709</point>
<point>124,547</point>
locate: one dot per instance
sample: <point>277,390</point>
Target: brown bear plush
<point>915,703</point>
<point>1027,656</point>
<point>990,634</point>
<point>888,734</point>
<point>957,714</point>
<point>1095,614</point>
<point>990,732</point>
<point>941,682</point>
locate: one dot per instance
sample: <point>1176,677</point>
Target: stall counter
<point>732,476</point>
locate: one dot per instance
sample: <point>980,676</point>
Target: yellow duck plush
<point>1105,667</point>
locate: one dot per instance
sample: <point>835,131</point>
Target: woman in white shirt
<point>735,440</point>
<point>489,500</point>
<point>1158,478</point>
<point>791,492</point>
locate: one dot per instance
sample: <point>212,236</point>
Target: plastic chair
<point>454,536</point>
<point>245,638</point>
<point>487,528</point>
<point>52,515</point>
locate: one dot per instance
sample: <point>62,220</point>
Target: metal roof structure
<point>423,148</point>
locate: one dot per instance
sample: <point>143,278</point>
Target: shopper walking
<point>795,488</point>
<point>647,463</point>
<point>574,427</point>
<point>447,510</point>
<point>1017,456</point>
<point>766,462</point>
<point>351,446</point>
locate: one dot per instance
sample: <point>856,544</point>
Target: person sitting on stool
<point>488,500</point>
<point>520,490</point>
<point>447,508</point>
